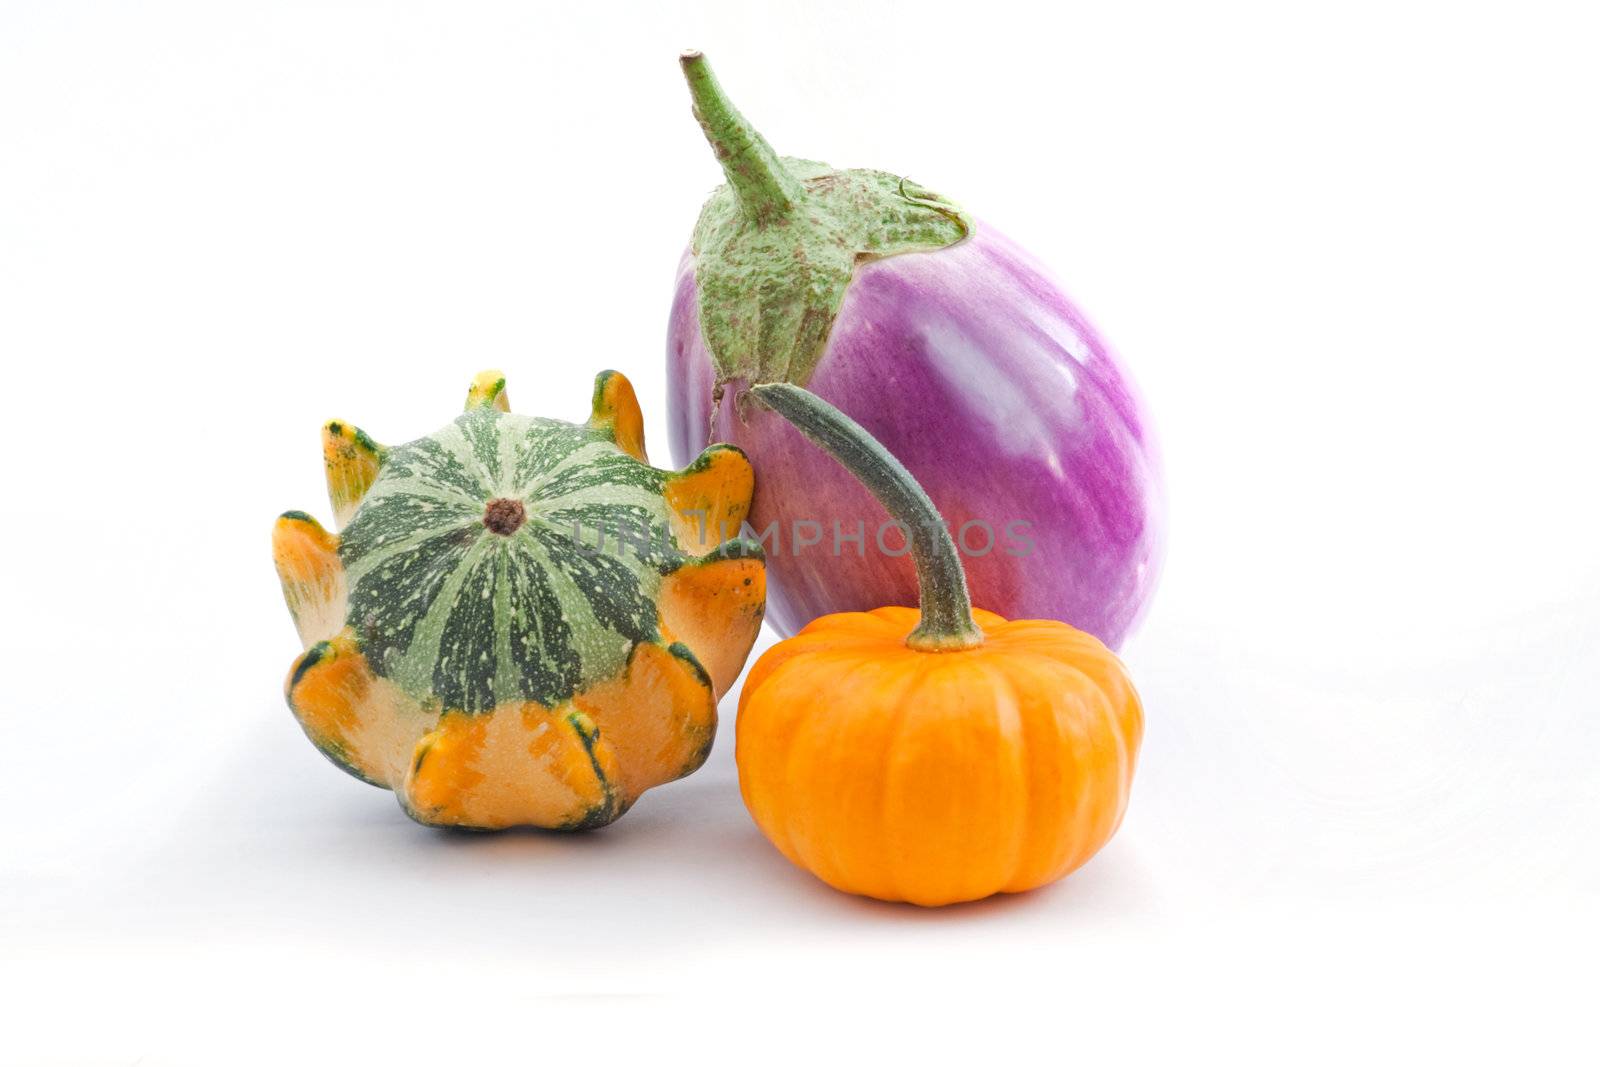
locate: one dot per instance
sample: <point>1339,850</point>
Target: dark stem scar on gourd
<point>775,248</point>
<point>504,516</point>
<point>946,624</point>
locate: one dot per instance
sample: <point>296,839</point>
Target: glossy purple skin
<point>988,383</point>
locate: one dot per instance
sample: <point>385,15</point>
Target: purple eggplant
<point>953,347</point>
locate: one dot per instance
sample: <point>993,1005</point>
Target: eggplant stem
<point>767,191</point>
<point>946,624</point>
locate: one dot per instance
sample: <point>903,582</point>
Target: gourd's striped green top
<point>507,558</point>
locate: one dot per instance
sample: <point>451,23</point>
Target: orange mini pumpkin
<point>939,755</point>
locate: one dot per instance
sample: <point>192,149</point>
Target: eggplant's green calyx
<point>776,247</point>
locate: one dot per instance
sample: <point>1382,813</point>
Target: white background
<point>1349,252</point>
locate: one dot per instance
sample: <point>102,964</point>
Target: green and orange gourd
<point>939,755</point>
<point>520,621</point>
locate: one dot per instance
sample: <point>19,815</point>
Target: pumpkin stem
<point>766,189</point>
<point>946,624</point>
